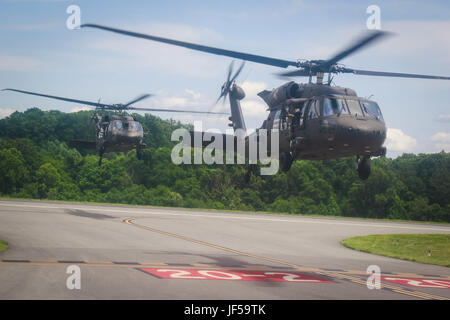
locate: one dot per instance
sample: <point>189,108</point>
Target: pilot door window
<point>303,113</point>
<point>312,112</point>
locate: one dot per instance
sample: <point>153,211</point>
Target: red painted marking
<point>422,283</point>
<point>233,275</point>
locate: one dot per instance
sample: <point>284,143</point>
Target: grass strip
<point>424,248</point>
<point>3,245</point>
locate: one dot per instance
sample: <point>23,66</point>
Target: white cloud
<point>444,118</point>
<point>419,37</point>
<point>412,42</point>
<point>129,52</point>
<point>76,109</point>
<point>28,27</point>
<point>442,141</point>
<point>252,88</point>
<point>4,112</point>
<point>253,107</point>
<point>189,100</point>
<point>397,140</point>
<point>16,63</point>
<point>32,1</point>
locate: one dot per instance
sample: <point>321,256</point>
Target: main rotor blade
<point>142,97</point>
<point>296,73</point>
<point>364,41</point>
<point>223,52</point>
<point>172,110</point>
<point>394,74</point>
<point>94,104</point>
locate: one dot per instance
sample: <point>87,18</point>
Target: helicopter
<point>316,121</point>
<point>117,132</point>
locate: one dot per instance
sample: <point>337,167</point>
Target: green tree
<point>13,172</point>
<point>47,178</point>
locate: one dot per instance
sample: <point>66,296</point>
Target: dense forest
<point>35,162</point>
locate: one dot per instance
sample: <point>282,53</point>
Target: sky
<point>39,53</point>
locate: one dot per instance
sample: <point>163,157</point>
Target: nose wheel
<point>363,167</point>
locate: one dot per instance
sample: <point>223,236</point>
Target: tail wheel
<point>286,161</point>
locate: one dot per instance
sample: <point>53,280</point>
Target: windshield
<point>117,124</point>
<point>134,125</point>
<point>333,106</point>
<point>354,108</point>
<point>372,109</point>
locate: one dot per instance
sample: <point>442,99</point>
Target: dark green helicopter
<point>316,121</point>
<point>115,132</point>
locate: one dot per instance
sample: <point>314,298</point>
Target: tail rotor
<point>226,87</point>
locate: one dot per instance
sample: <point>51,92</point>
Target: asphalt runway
<point>126,252</point>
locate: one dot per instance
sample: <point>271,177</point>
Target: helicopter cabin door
<point>311,122</point>
<point>280,123</point>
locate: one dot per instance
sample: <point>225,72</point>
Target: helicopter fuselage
<point>318,122</point>
<point>118,133</point>
<point>339,136</point>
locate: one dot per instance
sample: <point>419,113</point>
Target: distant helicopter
<point>316,121</point>
<point>114,132</point>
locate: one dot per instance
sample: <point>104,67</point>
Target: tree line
<point>35,162</point>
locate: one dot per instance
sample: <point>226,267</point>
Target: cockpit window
<point>117,125</point>
<point>333,106</point>
<point>354,108</point>
<point>371,108</point>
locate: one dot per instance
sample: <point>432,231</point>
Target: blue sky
<point>39,53</point>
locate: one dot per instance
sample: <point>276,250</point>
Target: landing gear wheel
<point>286,161</point>
<point>364,168</point>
